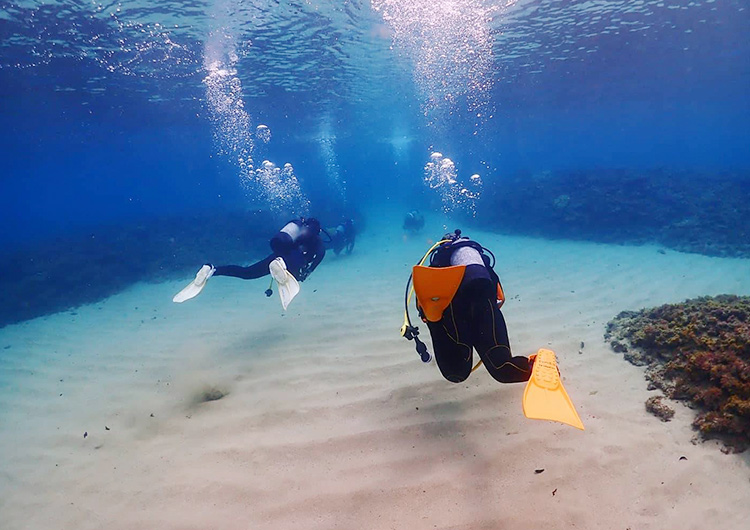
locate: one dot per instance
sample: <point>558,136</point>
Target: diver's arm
<point>320,253</point>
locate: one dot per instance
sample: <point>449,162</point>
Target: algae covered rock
<point>697,351</point>
<point>656,406</point>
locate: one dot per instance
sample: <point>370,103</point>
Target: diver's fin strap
<point>435,288</point>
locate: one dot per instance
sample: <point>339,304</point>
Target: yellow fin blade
<point>545,397</point>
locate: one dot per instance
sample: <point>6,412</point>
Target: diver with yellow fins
<point>459,296</point>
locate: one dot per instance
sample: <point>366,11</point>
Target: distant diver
<point>297,249</point>
<point>343,237</point>
<point>413,221</point>
<point>459,296</point>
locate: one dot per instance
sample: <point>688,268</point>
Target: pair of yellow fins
<point>545,397</point>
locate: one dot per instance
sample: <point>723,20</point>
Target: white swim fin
<point>287,283</point>
<point>194,288</point>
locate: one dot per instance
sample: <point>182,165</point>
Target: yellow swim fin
<point>545,397</point>
<point>435,288</point>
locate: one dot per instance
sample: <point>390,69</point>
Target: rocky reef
<point>675,209</point>
<point>67,272</point>
<point>697,351</point>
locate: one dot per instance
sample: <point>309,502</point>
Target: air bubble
<point>263,133</point>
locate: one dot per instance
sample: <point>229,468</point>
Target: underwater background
<point>140,137</point>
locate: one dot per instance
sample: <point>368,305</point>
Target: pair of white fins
<point>288,286</point>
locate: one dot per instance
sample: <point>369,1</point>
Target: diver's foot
<point>204,274</point>
<point>278,271</point>
<point>194,288</point>
<point>532,358</point>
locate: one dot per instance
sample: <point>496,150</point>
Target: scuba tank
<point>295,233</point>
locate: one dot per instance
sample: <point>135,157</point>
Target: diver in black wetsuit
<point>297,249</point>
<point>472,319</point>
<point>413,221</point>
<point>298,243</point>
<point>343,236</point>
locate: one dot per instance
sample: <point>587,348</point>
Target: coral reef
<point>68,272</point>
<point>671,208</point>
<point>697,351</point>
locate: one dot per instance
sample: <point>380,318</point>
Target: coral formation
<point>656,406</point>
<point>697,351</point>
<point>62,274</point>
<point>669,208</point>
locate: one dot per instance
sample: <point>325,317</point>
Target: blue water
<point>131,112</point>
<point>140,139</point>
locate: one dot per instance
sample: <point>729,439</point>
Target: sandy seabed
<point>329,420</point>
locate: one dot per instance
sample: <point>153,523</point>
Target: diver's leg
<point>338,246</point>
<point>256,270</point>
<point>452,352</point>
<point>490,338</point>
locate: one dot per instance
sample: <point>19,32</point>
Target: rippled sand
<point>329,419</point>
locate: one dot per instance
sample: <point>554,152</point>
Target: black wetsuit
<point>473,320</point>
<point>414,221</point>
<point>301,255</point>
<point>343,237</point>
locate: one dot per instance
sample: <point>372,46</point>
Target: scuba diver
<point>466,314</point>
<point>297,249</point>
<point>459,296</point>
<point>414,221</point>
<point>343,237</point>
